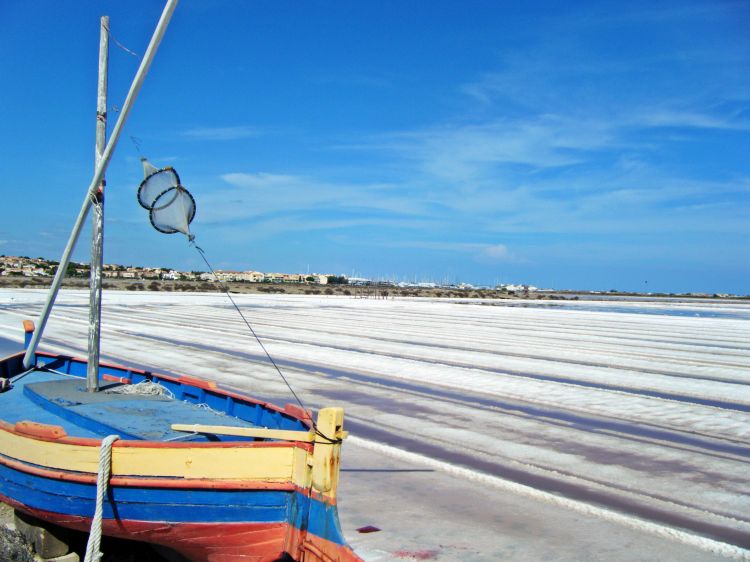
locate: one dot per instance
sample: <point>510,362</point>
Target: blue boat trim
<point>180,505</point>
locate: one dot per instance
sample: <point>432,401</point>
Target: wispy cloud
<point>464,152</point>
<point>689,119</point>
<point>555,143</point>
<point>220,133</point>
<point>481,252</point>
<point>265,196</point>
<point>261,180</point>
<point>452,181</point>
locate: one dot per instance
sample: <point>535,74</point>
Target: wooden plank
<point>272,465</point>
<point>260,432</point>
<point>277,464</point>
<point>327,455</point>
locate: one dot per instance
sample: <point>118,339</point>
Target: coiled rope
<point>102,483</point>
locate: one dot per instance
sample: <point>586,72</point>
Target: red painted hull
<point>214,542</point>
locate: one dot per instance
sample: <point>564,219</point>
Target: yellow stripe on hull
<point>268,464</point>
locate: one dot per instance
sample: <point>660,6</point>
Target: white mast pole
<point>97,179</point>
<point>97,223</point>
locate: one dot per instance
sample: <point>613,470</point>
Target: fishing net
<point>171,207</point>
<point>155,182</point>
<point>173,210</point>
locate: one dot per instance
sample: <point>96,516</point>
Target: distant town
<point>39,268</point>
<point>23,266</point>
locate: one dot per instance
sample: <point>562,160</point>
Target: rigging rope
<point>102,482</point>
<point>123,47</point>
<point>137,142</point>
<point>171,209</point>
<point>237,308</point>
<point>225,286</point>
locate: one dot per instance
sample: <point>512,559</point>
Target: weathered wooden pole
<point>97,179</point>
<point>97,219</point>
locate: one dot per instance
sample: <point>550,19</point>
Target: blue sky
<point>590,145</point>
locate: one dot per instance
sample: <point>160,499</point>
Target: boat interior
<point>56,393</point>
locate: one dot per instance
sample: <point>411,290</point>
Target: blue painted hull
<point>216,519</point>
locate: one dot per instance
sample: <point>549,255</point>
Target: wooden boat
<point>212,474</point>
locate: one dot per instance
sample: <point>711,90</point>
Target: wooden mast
<point>97,230</point>
<point>30,356</point>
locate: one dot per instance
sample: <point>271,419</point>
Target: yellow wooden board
<point>261,432</point>
<point>271,464</point>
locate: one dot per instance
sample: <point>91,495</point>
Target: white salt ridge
<point>415,341</point>
<point>703,543</point>
<point>367,358</point>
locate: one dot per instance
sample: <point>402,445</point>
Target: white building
<point>251,276</point>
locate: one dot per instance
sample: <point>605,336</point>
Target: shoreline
<point>356,291</point>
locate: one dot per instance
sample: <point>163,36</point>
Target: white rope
<point>147,387</point>
<point>102,482</point>
<point>206,407</point>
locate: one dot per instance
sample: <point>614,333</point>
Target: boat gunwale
<point>144,444</point>
<point>289,410</point>
<point>167,482</point>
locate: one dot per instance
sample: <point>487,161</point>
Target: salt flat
<point>482,430</point>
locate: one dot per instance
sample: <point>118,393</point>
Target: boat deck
<point>63,400</point>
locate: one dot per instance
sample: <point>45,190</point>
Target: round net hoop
<point>156,183</point>
<point>173,210</point>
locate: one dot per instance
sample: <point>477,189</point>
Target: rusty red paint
<point>113,378</point>
<point>306,546</point>
<point>224,542</point>
<point>197,542</point>
<point>298,412</point>
<point>43,430</point>
<point>197,383</point>
<point>92,442</point>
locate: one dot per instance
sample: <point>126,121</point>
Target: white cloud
<point>496,252</point>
